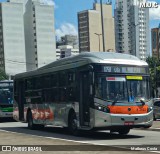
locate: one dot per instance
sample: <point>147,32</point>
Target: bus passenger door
<point>84,98</point>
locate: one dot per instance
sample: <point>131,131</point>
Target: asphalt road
<point>16,133</point>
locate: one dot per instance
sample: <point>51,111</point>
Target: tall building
<point>68,40</point>
<point>39,34</point>
<point>90,28</point>
<point>12,40</point>
<point>155,33</point>
<point>132,28</point>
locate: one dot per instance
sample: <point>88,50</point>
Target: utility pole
<point>155,75</point>
<point>102,22</point>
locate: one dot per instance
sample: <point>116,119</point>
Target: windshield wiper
<point>141,101</point>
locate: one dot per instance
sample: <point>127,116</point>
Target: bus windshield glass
<point>122,88</point>
<point>6,92</point>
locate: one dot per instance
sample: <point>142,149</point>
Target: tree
<point>3,75</point>
<point>154,70</point>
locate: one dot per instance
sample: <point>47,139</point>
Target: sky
<point>66,14</point>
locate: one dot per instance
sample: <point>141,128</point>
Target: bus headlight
<point>150,109</point>
<point>102,108</point>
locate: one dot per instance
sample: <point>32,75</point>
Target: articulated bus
<point>89,91</point>
<point>6,99</point>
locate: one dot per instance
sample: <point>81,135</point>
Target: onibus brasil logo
<point>148,5</point>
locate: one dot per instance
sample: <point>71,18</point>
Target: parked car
<point>156,108</point>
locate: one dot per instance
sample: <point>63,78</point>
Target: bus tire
<point>72,124</point>
<point>124,131</point>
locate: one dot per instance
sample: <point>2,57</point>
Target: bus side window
<point>47,81</point>
<point>54,80</point>
<point>62,79</point>
<point>38,83</point>
<point>29,84</point>
<point>71,87</point>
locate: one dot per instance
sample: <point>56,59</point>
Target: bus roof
<point>87,58</point>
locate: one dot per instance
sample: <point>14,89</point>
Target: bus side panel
<point>38,113</point>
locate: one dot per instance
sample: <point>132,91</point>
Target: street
<point>16,133</point>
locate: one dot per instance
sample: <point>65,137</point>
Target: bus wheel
<point>73,124</point>
<point>30,121</point>
<point>124,131</point>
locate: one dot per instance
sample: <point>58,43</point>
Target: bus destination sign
<point>123,69</point>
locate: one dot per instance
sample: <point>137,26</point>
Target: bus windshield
<point>6,93</point>
<point>122,88</point>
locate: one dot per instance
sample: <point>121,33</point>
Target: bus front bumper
<point>6,114</point>
<point>123,120</point>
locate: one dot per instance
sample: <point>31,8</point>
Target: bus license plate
<point>128,123</point>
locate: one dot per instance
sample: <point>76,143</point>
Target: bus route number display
<point>112,69</point>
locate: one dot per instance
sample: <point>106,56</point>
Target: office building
<point>90,29</point>
<point>155,34</point>
<point>39,34</point>
<point>12,39</point>
<point>132,28</point>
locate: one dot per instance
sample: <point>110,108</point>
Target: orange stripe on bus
<point>128,109</point>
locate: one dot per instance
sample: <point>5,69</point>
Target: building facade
<point>155,34</point>
<point>132,28</point>
<point>90,29</point>
<point>12,39</point>
<point>68,40</point>
<point>39,34</point>
<point>66,51</point>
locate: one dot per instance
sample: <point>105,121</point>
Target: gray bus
<point>89,91</point>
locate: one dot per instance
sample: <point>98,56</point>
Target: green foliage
<point>154,70</point>
<point>3,75</point>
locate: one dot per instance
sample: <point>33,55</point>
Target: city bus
<point>89,91</point>
<point>6,99</point>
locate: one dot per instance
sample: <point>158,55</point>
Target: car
<point>156,108</point>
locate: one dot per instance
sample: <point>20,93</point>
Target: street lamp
<point>98,39</point>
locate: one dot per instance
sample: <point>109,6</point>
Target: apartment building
<point>132,28</point>
<point>155,34</point>
<point>39,34</point>
<point>12,39</point>
<point>90,29</point>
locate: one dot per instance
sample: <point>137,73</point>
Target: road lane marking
<point>82,142</point>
